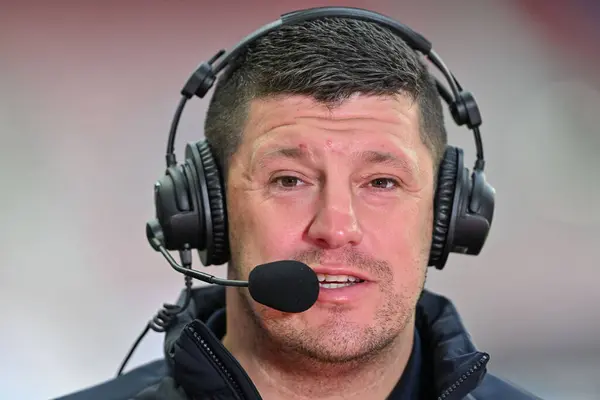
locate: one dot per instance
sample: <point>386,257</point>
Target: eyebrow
<point>387,158</point>
<point>368,156</point>
<point>294,153</point>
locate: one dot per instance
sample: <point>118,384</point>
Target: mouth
<point>327,281</point>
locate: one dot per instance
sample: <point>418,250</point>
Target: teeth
<point>336,285</point>
<point>337,278</point>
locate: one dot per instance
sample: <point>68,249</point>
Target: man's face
<point>348,191</point>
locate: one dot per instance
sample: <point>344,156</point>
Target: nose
<point>335,223</point>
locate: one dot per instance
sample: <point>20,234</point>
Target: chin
<point>343,342</point>
<point>328,336</point>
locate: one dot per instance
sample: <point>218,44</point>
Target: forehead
<point>362,118</point>
<point>268,113</point>
<point>360,123</point>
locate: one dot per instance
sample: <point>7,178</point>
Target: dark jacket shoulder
<point>125,386</point>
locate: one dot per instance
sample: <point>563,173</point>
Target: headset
<point>190,197</point>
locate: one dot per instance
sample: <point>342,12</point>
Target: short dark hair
<point>330,60</point>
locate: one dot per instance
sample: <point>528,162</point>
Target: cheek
<point>402,239</point>
<point>399,233</point>
<point>265,230</point>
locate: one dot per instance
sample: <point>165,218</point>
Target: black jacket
<point>197,366</point>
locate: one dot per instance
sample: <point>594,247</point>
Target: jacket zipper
<point>204,345</point>
<point>482,361</point>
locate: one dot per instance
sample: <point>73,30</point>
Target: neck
<point>278,372</point>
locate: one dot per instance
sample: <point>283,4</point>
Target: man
<point>329,135</point>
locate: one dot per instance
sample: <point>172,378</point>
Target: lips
<point>343,286</point>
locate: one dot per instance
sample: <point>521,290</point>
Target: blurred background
<point>87,92</point>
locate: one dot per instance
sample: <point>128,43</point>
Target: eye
<point>287,182</point>
<point>384,183</point>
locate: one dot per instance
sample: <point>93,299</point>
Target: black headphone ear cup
<point>216,196</point>
<point>193,234</point>
<point>180,188</point>
<point>211,200</point>
<point>176,209</point>
<point>443,205</point>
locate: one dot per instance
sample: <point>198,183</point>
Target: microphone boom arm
<point>202,276</point>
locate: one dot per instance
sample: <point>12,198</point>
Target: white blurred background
<point>87,92</point>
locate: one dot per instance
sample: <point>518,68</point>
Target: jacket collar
<point>457,366</point>
<point>451,360</point>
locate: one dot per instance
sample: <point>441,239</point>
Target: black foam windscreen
<point>288,286</point>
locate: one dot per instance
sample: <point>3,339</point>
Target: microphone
<point>288,285</point>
